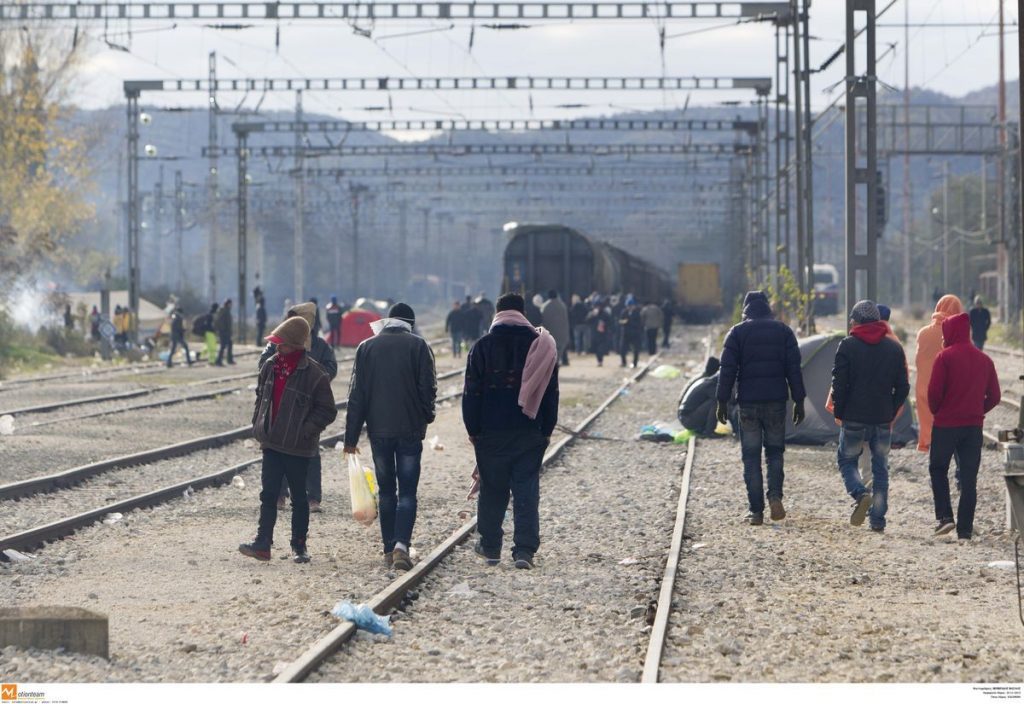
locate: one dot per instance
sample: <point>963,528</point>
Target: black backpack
<point>200,325</point>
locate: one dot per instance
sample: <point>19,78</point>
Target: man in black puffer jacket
<point>869,384</point>
<point>762,359</point>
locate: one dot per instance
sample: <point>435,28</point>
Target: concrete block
<point>52,627</point>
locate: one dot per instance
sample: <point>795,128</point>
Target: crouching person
<point>510,408</point>
<point>294,403</point>
<point>698,404</point>
<point>869,386</point>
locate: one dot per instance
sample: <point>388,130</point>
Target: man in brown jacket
<point>294,403</point>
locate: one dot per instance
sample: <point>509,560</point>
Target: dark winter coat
<point>494,374</point>
<point>222,322</point>
<point>698,406</point>
<point>869,377</point>
<point>761,357</point>
<point>453,322</point>
<point>578,313</point>
<point>981,320</point>
<point>319,351</point>
<point>307,407</point>
<point>471,319</point>
<point>261,312</point>
<point>393,387</point>
<point>177,327</point>
<point>964,385</point>
<point>631,323</point>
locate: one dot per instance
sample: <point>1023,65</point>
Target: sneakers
<point>778,511</point>
<point>256,549</point>
<point>944,526</point>
<point>400,560</point>
<point>878,529</point>
<point>860,510</point>
<point>491,560</point>
<point>281,501</point>
<point>389,560</point>
<point>314,507</point>
<point>524,562</point>
<point>755,519</point>
<point>299,554</point>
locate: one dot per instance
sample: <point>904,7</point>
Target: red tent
<point>355,326</point>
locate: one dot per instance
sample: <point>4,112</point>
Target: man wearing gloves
<point>294,404</point>
<point>762,359</point>
<point>869,385</point>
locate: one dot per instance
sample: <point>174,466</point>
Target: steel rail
<point>33,538</point>
<point>391,596</point>
<point>47,407</point>
<point>70,477</point>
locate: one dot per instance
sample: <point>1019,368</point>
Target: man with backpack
<point>178,337</point>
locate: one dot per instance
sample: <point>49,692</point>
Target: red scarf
<point>284,365</point>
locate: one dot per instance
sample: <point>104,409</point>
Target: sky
<point>950,59</point>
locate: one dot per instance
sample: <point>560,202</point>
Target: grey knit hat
<point>865,312</point>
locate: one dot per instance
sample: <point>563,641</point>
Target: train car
<point>539,258</point>
<point>699,292</point>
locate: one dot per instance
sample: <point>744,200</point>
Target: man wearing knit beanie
<point>392,391</point>
<point>869,385</point>
<point>294,404</point>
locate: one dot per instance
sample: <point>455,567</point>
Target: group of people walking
<point>956,386</point>
<point>509,407</point>
<point>467,321</point>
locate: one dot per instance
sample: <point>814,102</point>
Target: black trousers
<point>277,465</point>
<point>314,490</point>
<point>226,344</point>
<point>630,342</point>
<point>509,465</point>
<point>175,341</point>
<point>966,442</point>
<point>652,341</point>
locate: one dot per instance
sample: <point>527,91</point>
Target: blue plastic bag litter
<point>363,617</point>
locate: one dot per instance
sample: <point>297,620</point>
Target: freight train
<point>539,258</point>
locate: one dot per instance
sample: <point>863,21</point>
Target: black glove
<point>798,412</point>
<point>722,413</point>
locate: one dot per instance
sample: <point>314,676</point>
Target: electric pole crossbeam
<point>386,150</point>
<point>405,11</point>
<point>386,83</point>
<point>496,170</point>
<point>750,127</point>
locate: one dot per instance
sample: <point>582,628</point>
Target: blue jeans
<point>397,465</point>
<point>762,424</point>
<point>852,437</point>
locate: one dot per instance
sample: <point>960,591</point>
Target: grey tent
<point>817,354</point>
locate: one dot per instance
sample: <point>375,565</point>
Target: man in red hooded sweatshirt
<point>869,384</point>
<point>962,389</point>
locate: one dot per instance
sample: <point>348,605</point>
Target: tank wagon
<point>539,258</point>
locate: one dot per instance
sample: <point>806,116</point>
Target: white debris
<point>1003,564</point>
<point>112,518</point>
<point>280,666</point>
<point>237,482</point>
<point>15,556</point>
<point>187,494</point>
<point>629,561</point>
<point>7,425</point>
<point>436,444</point>
<point>461,589</point>
<point>249,444</point>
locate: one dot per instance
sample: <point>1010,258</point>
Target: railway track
<point>135,393</point>
<point>31,538</point>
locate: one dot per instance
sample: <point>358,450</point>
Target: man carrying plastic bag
<point>392,391</point>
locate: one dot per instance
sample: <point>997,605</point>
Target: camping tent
<point>150,317</point>
<point>817,355</point>
<point>355,326</point>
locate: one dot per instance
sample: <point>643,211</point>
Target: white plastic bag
<point>364,505</point>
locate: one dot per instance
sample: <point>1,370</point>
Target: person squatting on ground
<point>178,337</point>
<point>653,318</point>
<point>981,321</point>
<point>222,324</point>
<point>294,404</point>
<point>555,319</point>
<point>762,358</point>
<point>869,386</point>
<point>698,407</point>
<point>453,326</point>
<point>393,390</point>
<point>321,353</point>
<point>963,387</point>
<point>510,408</point>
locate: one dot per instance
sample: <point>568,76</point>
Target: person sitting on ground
<point>294,404</point>
<point>698,405</point>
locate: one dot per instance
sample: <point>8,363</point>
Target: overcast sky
<point>954,60</point>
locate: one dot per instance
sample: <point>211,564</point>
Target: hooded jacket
<point>555,317</point>
<point>929,344</point>
<point>964,385</point>
<point>306,406</point>
<point>869,377</point>
<point>761,357</point>
<point>697,405</point>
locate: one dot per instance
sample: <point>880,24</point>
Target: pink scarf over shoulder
<point>540,362</point>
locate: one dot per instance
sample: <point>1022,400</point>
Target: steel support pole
<point>945,227</point>
<point>403,250</point>
<point>779,136</point>
<point>158,235</point>
<point>907,198</point>
<point>355,190</point>
<point>299,236</point>
<point>212,185</point>
<point>861,256</point>
<point>132,268</point>
<point>808,190</point>
<point>179,230</point>
<point>243,228</point>
<point>798,121</point>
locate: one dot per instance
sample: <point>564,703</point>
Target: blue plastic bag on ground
<point>363,617</point>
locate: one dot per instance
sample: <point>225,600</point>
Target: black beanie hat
<point>402,311</point>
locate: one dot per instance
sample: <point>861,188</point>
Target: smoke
<point>31,306</point>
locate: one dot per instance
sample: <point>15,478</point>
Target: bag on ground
<point>364,505</point>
